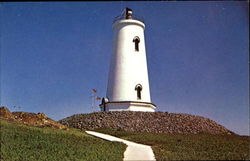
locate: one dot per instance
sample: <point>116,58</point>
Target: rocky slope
<point>153,122</point>
<point>39,119</point>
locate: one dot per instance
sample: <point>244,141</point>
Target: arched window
<point>138,89</point>
<point>136,40</point>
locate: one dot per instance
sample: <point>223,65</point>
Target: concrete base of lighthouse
<point>128,106</point>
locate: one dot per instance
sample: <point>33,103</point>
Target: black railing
<point>123,17</point>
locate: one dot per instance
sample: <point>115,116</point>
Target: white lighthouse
<point>128,84</point>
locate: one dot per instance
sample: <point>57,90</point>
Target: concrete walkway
<point>134,151</point>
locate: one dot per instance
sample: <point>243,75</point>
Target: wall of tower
<point>128,67</point>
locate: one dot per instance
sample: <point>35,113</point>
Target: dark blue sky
<point>54,53</point>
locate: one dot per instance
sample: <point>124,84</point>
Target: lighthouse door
<point>138,89</point>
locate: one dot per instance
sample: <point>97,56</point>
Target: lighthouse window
<point>136,40</point>
<point>138,89</point>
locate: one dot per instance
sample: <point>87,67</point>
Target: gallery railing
<point>123,17</point>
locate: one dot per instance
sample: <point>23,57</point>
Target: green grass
<point>26,143</point>
<point>190,147</point>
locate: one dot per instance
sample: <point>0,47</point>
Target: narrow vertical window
<point>138,89</point>
<point>136,40</point>
<point>104,104</point>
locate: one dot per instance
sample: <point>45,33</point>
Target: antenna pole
<point>93,99</point>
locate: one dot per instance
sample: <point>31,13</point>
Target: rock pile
<point>152,122</point>
<point>39,119</point>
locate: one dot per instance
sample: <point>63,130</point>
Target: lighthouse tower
<point>128,85</point>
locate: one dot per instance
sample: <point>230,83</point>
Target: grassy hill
<point>202,146</point>
<point>172,136</point>
<point>29,136</point>
<point>27,143</point>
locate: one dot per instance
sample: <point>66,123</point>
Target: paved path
<point>134,151</point>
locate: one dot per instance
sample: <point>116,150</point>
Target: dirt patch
<point>39,119</point>
<point>5,113</point>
